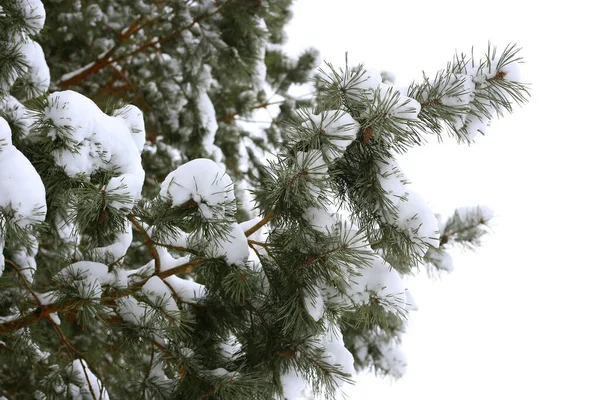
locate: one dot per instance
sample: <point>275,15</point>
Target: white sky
<point>519,319</point>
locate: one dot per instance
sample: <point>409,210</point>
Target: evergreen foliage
<point>156,244</point>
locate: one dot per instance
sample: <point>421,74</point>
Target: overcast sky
<point>519,319</point>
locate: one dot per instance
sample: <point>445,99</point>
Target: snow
<point>27,201</point>
<point>312,169</point>
<point>34,13</point>
<point>116,250</point>
<point>405,108</point>
<point>22,198</point>
<point>85,380</point>
<point>392,181</point>
<point>202,181</point>
<point>335,353</point>
<point>208,118</point>
<point>87,276</point>
<point>393,358</point>
<point>360,87</point>
<point>160,296</point>
<point>38,73</point>
<point>134,120</point>
<point>369,80</point>
<point>419,222</point>
<point>167,261</point>
<point>260,69</point>
<point>16,114</point>
<point>460,91</point>
<point>132,311</point>
<point>381,283</point>
<point>338,129</point>
<point>409,213</point>
<point>103,142</point>
<point>231,349</point>
<point>441,259</point>
<point>25,259</point>
<point>122,192</point>
<point>411,304</point>
<point>313,301</point>
<point>260,235</point>
<point>475,125</point>
<point>512,72</point>
<point>186,289</point>
<point>322,219</point>
<point>234,247</point>
<point>54,317</point>
<point>71,74</point>
<point>292,384</point>
<point>97,142</point>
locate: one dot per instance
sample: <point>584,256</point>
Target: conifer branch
<point>148,241</point>
<point>45,310</point>
<point>133,28</point>
<point>260,224</point>
<point>24,280</point>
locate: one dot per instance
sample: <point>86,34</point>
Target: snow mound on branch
<point>404,108</point>
<point>134,119</point>
<point>21,188</point>
<point>336,353</point>
<point>388,355</point>
<point>441,259</point>
<point>16,114</point>
<point>22,199</point>
<point>85,380</point>
<point>88,277</point>
<point>361,85</point>
<point>322,219</point>
<point>38,74</point>
<point>367,85</point>
<point>292,384</point>
<point>186,289</point>
<point>312,170</point>
<point>314,303</point>
<point>337,127</point>
<point>379,283</point>
<point>234,247</point>
<point>116,250</point>
<point>98,142</point>
<point>34,13</point>
<point>201,181</point>
<point>160,296</point>
<point>133,311</point>
<point>419,221</point>
<point>393,359</point>
<point>406,210</point>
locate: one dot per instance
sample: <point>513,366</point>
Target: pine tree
<point>156,244</point>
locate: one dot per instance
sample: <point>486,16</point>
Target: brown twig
<point>148,241</point>
<point>45,310</point>
<point>107,59</point>
<point>260,224</point>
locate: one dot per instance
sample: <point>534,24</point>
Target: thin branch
<point>148,241</point>
<point>260,224</point>
<point>25,282</point>
<point>45,310</point>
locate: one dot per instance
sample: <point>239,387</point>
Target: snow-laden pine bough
<point>287,303</point>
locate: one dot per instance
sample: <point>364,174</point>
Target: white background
<point>519,319</point>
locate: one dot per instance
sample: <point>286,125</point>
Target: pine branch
<point>260,224</point>
<point>148,241</point>
<point>106,59</point>
<point>44,311</point>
